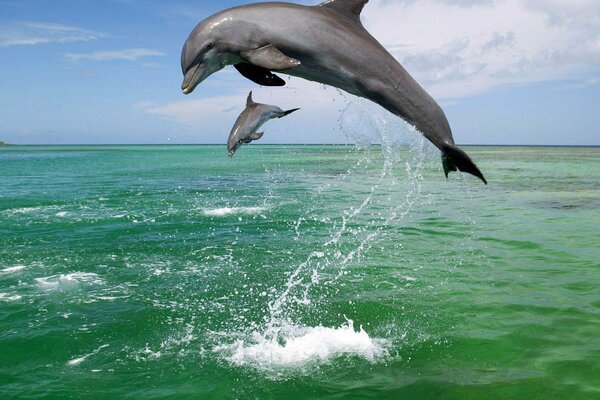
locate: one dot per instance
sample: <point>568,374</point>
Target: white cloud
<point>126,54</point>
<point>30,33</point>
<point>461,48</point>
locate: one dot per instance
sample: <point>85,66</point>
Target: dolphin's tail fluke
<point>454,159</point>
<point>288,112</point>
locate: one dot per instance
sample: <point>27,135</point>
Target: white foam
<point>62,214</point>
<point>12,270</point>
<point>9,297</point>
<point>147,354</point>
<point>76,361</point>
<point>299,346</point>
<point>111,298</point>
<point>25,210</point>
<point>67,280</point>
<point>222,212</point>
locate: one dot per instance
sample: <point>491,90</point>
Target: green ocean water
<point>298,272</point>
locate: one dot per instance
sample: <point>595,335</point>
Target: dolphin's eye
<point>210,45</point>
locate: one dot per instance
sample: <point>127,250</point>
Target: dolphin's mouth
<point>191,79</point>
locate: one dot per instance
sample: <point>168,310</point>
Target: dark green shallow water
<point>173,272</point>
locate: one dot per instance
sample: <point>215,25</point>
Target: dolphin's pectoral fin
<point>454,159</point>
<point>270,57</point>
<point>259,75</point>
<point>252,137</point>
<point>348,8</point>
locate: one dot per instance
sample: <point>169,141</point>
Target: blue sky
<point>505,72</point>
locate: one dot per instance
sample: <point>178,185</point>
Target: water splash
<point>299,346</point>
<point>332,255</point>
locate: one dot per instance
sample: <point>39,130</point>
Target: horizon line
<point>4,144</point>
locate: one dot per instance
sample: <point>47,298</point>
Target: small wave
<point>68,280</point>
<point>76,361</point>
<point>222,212</point>
<point>61,214</point>
<point>300,346</point>
<point>10,297</point>
<point>25,210</point>
<point>12,270</point>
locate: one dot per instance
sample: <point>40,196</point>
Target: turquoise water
<point>298,272</point>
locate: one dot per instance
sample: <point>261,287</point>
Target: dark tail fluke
<point>288,112</point>
<point>454,159</point>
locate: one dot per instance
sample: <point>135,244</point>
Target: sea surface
<point>298,272</point>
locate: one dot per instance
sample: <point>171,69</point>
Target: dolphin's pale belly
<point>249,122</point>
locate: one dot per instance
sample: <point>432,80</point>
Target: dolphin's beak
<point>192,79</point>
<point>231,149</point>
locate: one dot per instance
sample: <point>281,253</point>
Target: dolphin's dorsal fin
<point>249,101</point>
<point>348,8</point>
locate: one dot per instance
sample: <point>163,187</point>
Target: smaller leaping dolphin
<point>255,115</point>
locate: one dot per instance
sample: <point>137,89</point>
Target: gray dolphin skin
<point>254,116</point>
<point>326,43</point>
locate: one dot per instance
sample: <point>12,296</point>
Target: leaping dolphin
<point>326,43</point>
<point>254,116</point>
